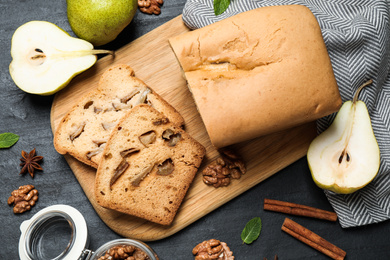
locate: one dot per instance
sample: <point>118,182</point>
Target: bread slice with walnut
<point>85,129</point>
<point>147,166</point>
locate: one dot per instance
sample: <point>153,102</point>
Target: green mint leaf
<point>251,231</point>
<point>8,139</point>
<point>220,6</point>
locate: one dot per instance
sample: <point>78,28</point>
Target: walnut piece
<point>165,168</point>
<point>122,167</point>
<point>124,252</point>
<point>161,121</point>
<point>167,134</point>
<point>234,161</point>
<point>216,174</point>
<point>143,97</point>
<point>120,106</point>
<point>23,198</point>
<point>150,6</point>
<point>77,132</point>
<point>126,153</point>
<point>107,126</point>
<point>212,249</point>
<point>88,104</point>
<point>174,139</point>
<point>97,110</point>
<point>142,174</point>
<point>219,172</point>
<point>171,137</point>
<point>147,138</point>
<point>100,144</point>
<point>129,96</point>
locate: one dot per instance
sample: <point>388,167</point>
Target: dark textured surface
<point>29,116</point>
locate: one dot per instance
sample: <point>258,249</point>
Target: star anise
<point>30,162</point>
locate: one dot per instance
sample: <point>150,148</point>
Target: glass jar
<point>118,242</point>
<point>60,232</point>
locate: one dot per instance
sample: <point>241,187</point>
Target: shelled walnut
<point>23,198</point>
<point>150,6</point>
<point>228,166</point>
<point>212,249</point>
<point>124,252</point>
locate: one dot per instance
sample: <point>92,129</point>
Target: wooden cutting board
<point>154,62</point>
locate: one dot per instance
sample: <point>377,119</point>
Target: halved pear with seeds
<point>46,58</point>
<point>346,157</point>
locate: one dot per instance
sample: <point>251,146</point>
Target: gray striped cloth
<point>357,35</point>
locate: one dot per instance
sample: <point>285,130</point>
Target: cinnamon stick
<point>310,238</point>
<point>298,209</point>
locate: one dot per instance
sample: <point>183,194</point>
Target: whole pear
<point>346,156</point>
<point>100,22</point>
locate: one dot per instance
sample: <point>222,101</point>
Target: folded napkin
<point>357,36</point>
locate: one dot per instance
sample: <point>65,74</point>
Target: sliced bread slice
<point>85,129</point>
<point>147,166</point>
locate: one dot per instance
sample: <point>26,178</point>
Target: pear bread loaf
<point>258,72</point>
<point>147,166</point>
<point>85,129</point>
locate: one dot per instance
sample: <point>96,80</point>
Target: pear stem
<point>355,97</point>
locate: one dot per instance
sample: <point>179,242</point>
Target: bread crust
<point>100,110</point>
<point>258,72</point>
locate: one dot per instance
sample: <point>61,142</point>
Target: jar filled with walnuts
<point>124,249</point>
<point>60,232</point>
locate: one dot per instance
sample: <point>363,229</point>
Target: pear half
<point>45,58</point>
<point>346,156</point>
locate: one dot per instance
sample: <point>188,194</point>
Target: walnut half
<point>212,249</point>
<point>23,198</point>
<point>219,172</point>
<point>150,6</point>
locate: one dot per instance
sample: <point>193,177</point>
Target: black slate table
<point>29,116</point>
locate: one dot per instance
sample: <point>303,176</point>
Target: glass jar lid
<point>56,232</point>
<point>60,232</point>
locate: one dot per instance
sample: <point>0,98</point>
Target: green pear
<point>100,22</point>
<point>45,58</point>
<point>346,157</point>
